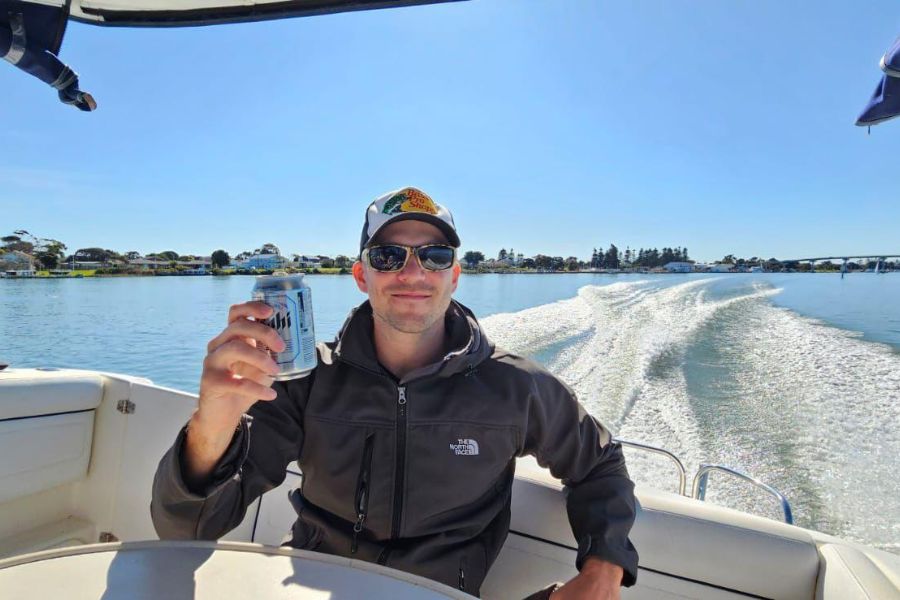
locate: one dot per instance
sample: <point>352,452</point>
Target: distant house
<point>679,267</point>
<point>721,268</point>
<point>16,261</point>
<point>148,264</point>
<point>307,262</point>
<point>201,262</point>
<point>265,262</point>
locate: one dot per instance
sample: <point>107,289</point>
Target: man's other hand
<point>598,580</point>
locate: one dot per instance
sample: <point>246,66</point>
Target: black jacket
<point>417,473</point>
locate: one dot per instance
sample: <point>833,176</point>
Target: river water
<point>792,378</point>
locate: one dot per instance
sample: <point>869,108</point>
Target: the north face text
<point>465,447</point>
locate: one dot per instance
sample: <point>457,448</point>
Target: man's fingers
<point>247,330</point>
<point>236,351</point>
<point>246,371</point>
<point>248,387</point>
<point>254,309</point>
<point>223,384</point>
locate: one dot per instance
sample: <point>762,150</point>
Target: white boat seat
<point>851,574</point>
<point>46,429</point>
<point>694,540</point>
<point>23,393</point>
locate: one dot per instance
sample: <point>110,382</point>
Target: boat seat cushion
<point>30,393</point>
<point>849,574</point>
<point>685,538</point>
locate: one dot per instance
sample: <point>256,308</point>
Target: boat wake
<point>716,373</point>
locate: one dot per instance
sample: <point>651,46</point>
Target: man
<point>406,432</point>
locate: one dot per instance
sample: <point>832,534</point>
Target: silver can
<point>291,299</point>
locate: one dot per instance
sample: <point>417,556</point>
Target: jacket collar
<point>468,344</point>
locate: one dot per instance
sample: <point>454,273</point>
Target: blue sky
<point>545,125</point>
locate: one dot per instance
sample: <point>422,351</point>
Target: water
<point>792,378</point>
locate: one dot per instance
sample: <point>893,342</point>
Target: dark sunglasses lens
<point>387,258</point>
<point>436,258</point>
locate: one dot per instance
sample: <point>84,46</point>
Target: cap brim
<point>449,232</point>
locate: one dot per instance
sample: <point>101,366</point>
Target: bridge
<point>879,260</point>
<point>845,257</point>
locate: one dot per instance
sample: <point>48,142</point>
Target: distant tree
<point>571,264</point>
<point>557,263</point>
<point>268,248</point>
<point>472,258</point>
<point>132,255</point>
<point>666,256</point>
<point>611,258</point>
<point>728,259</point>
<point>243,256</point>
<point>342,261</point>
<point>528,263</point>
<point>502,254</point>
<point>169,255</point>
<point>595,262</point>
<point>220,259</point>
<point>543,262</point>
<point>328,263</point>
<point>92,255</point>
<point>14,243</point>
<point>47,251</point>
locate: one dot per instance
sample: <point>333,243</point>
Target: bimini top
<point>168,13</point>
<point>31,31</point>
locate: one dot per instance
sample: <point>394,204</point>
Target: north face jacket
<point>416,473</point>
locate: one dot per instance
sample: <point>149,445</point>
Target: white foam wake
<point>729,378</point>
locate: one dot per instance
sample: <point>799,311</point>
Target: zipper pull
<point>401,395</point>
<point>357,528</point>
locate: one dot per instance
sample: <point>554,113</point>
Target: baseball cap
<point>406,204</point>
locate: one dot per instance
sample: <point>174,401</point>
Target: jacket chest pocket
<point>455,471</point>
<point>345,471</point>
<point>363,490</point>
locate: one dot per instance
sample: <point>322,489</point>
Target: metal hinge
<point>106,537</point>
<point>126,407</point>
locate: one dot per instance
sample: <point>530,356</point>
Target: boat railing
<point>682,472</point>
<point>701,479</point>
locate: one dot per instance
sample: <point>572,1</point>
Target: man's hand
<point>598,580</point>
<point>236,375</point>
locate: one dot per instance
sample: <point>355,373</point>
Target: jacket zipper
<point>361,504</point>
<point>401,462</point>
<point>462,573</point>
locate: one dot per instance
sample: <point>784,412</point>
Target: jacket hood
<point>468,344</point>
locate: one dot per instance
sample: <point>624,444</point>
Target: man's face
<point>413,299</point>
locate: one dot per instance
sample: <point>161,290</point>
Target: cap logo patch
<point>409,200</point>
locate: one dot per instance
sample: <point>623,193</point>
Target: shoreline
<point>343,271</point>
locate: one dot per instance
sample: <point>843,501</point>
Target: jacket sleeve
<point>579,450</point>
<point>267,439</point>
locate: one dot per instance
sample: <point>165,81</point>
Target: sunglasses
<point>389,258</point>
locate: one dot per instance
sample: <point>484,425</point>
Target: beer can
<point>291,299</point>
